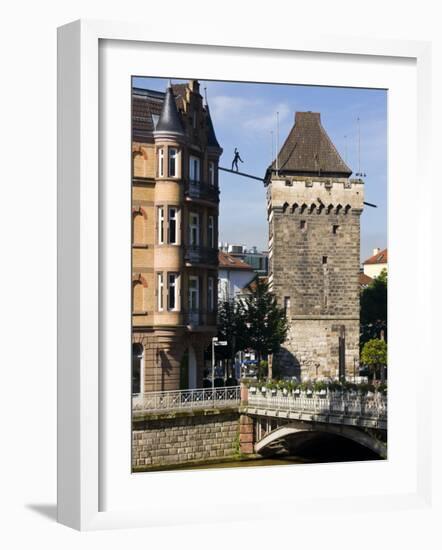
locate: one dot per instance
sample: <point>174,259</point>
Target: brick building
<point>314,213</point>
<point>175,200</point>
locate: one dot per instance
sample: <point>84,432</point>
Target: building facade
<point>374,265</point>
<point>233,277</point>
<point>314,213</point>
<point>175,197</point>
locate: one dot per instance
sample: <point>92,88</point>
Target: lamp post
<point>215,342</point>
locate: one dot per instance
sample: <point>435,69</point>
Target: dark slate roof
<point>309,151</point>
<point>170,121</point>
<point>211,136</point>
<point>147,105</point>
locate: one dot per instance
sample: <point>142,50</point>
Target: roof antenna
<point>359,173</point>
<point>345,149</point>
<point>170,83</point>
<point>277,143</point>
<point>205,95</point>
<point>273,148</point>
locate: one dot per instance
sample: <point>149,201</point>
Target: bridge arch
<point>301,429</point>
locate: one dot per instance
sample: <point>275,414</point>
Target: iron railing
<point>201,255</point>
<point>186,399</point>
<point>201,190</point>
<point>357,406</point>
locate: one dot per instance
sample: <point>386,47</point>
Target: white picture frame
<point>83,449</point>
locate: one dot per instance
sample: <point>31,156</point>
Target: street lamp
<point>215,342</point>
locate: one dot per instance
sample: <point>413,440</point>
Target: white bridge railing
<point>356,406</point>
<point>186,399</point>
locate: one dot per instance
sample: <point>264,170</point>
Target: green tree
<point>374,356</point>
<point>266,323</point>
<point>231,328</point>
<point>374,309</point>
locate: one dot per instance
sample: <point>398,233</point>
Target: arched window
<point>138,228</point>
<point>137,296</point>
<point>137,368</point>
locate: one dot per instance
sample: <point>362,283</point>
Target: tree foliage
<point>374,355</point>
<point>374,309</point>
<point>266,322</point>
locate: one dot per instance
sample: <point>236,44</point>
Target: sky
<point>244,116</point>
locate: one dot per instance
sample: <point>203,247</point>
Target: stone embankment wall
<point>186,437</point>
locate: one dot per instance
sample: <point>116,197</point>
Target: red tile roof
<point>227,261</point>
<point>364,280</point>
<point>379,258</point>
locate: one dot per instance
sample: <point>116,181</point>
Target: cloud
<point>249,115</point>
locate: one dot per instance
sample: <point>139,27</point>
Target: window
<point>210,232</point>
<point>210,294</point>
<point>303,225</point>
<point>160,293</point>
<point>172,291</point>
<point>173,229</point>
<point>324,260</point>
<point>194,119</point>
<point>212,173</point>
<point>173,162</point>
<point>335,229</point>
<point>194,229</point>
<point>160,225</point>
<point>161,162</point>
<point>194,169</point>
<point>193,293</point>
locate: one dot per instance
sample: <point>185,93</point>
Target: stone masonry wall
<point>314,227</point>
<point>180,439</point>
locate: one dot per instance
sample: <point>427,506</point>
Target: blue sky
<point>244,115</point>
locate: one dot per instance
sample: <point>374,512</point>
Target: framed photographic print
<point>228,228</point>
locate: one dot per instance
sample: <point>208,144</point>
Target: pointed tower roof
<point>169,121</point>
<point>211,136</point>
<point>309,151</point>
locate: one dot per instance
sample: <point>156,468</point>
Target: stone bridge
<point>274,421</point>
<point>181,427</point>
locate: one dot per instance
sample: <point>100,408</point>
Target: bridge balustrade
<point>358,406</point>
<point>151,402</point>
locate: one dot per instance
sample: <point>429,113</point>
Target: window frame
<point>194,226</point>
<point>175,219</point>
<point>161,162</point>
<point>160,291</point>
<point>160,222</point>
<point>194,162</point>
<point>173,158</point>
<point>175,287</point>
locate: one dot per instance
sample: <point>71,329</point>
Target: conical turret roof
<point>308,150</point>
<point>169,121</point>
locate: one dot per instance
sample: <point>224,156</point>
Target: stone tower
<point>314,213</point>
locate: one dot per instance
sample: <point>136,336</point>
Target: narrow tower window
<point>324,260</point>
<point>173,154</point>
<point>335,229</point>
<point>211,173</point>
<point>160,225</point>
<point>161,162</point>
<point>210,232</point>
<point>160,287</point>
<point>172,291</point>
<point>173,216</point>
<point>303,225</point>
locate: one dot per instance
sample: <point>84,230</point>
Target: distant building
<point>364,280</point>
<point>376,263</point>
<point>259,260</point>
<point>233,276</point>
